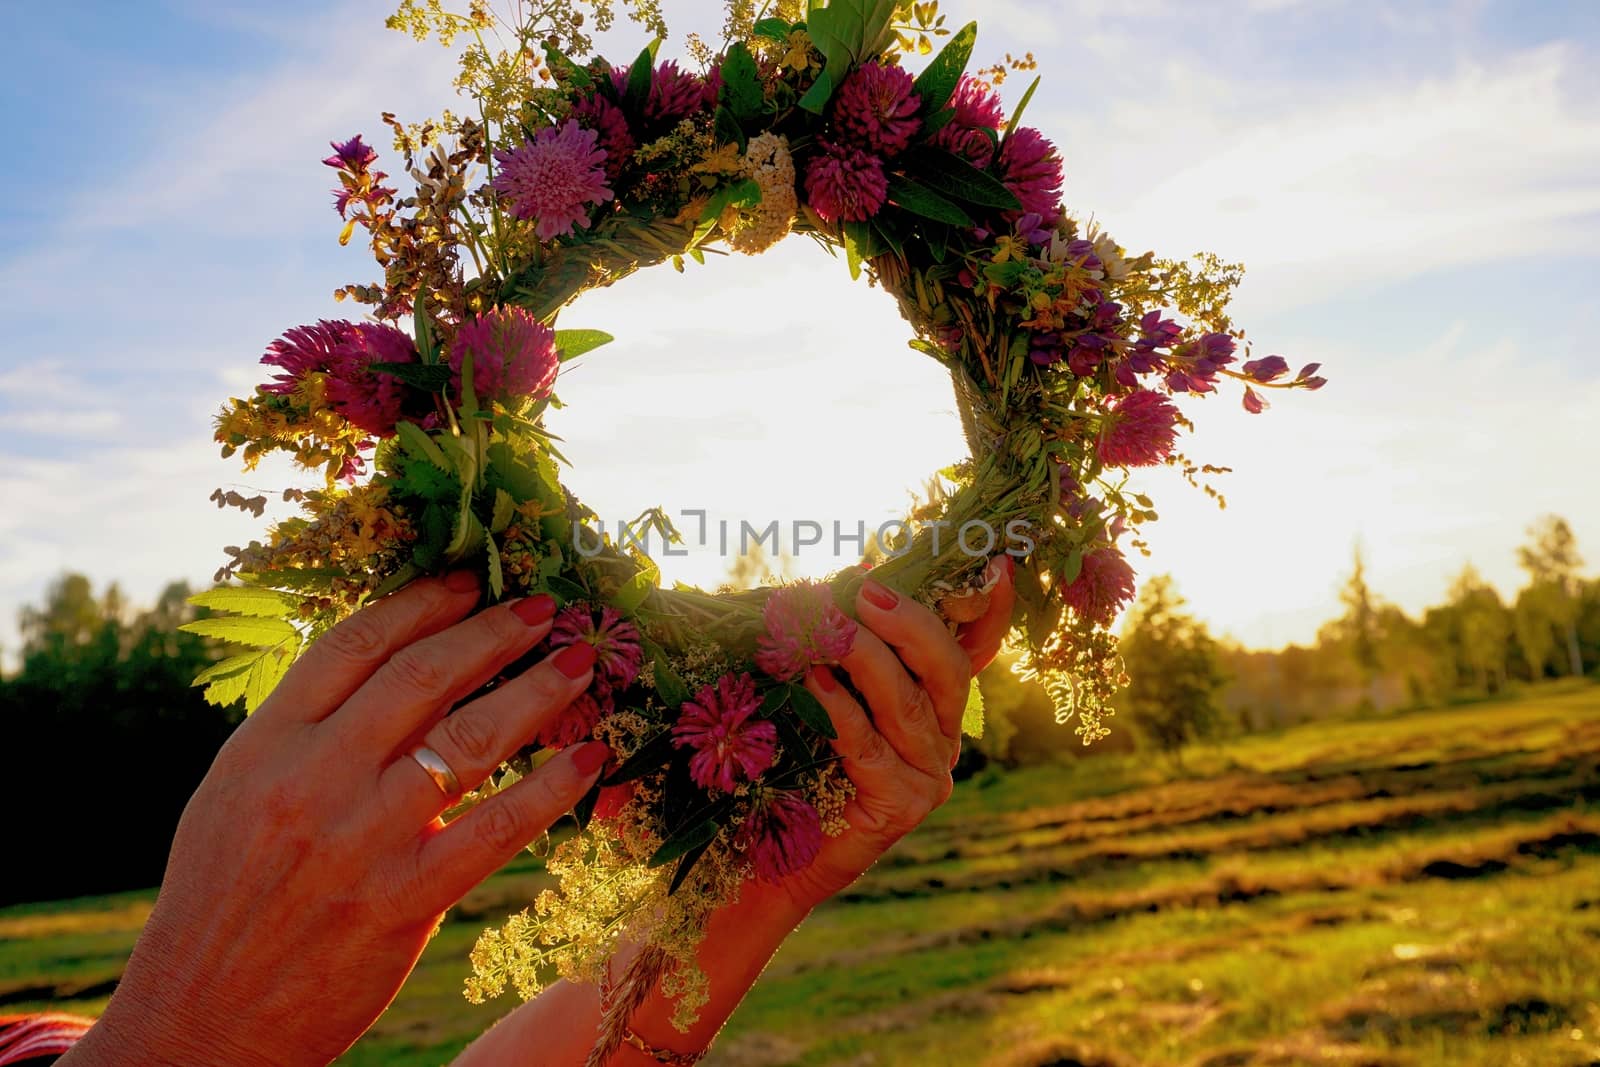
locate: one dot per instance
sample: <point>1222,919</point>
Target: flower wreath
<point>435,453</point>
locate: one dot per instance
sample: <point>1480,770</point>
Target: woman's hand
<point>900,749</point>
<point>311,866</point>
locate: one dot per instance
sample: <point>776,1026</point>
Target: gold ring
<point>437,769</point>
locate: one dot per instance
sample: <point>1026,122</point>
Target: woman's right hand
<point>311,866</point>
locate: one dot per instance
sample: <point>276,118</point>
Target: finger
<point>982,637</point>
<point>868,759</point>
<point>341,660</point>
<point>924,645</point>
<point>423,679</point>
<point>478,737</point>
<point>901,709</point>
<point>474,846</point>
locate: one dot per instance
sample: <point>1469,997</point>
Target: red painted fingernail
<point>591,757</point>
<point>535,609</point>
<point>825,679</point>
<point>879,596</point>
<point>461,582</point>
<point>574,661</point>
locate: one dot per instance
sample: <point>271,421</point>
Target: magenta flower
<point>554,178</point>
<point>1266,370</point>
<point>845,184</point>
<point>1031,169</point>
<point>607,120</point>
<point>345,352</point>
<point>729,745</point>
<point>804,628</point>
<point>674,93</point>
<point>353,155</point>
<point>1253,402</point>
<point>782,835</point>
<point>370,399</point>
<point>1102,588</point>
<point>876,109</point>
<point>513,356</point>
<point>576,721</point>
<point>1140,430</point>
<point>618,652</point>
<point>977,110</point>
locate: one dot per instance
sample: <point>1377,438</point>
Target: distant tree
<point>1551,560</point>
<point>1360,624</point>
<point>1534,615</point>
<point>1174,670</point>
<point>1482,629</point>
<point>121,739</point>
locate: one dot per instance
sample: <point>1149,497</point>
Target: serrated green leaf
<point>920,200</point>
<point>570,344</point>
<point>247,600</point>
<point>416,442</point>
<point>265,676</point>
<point>226,691</point>
<point>505,509</point>
<point>227,668</point>
<point>497,578</point>
<point>244,630</point>
<point>972,715</point>
<point>938,80</point>
<point>949,174</point>
<point>811,711</point>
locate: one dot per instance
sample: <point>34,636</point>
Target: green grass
<point>1419,889</point>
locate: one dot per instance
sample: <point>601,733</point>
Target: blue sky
<point>1412,185</point>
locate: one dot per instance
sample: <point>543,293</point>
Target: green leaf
<point>583,810</point>
<point>728,130</point>
<point>397,581</point>
<point>497,578</point>
<point>565,590</point>
<point>1022,105</point>
<point>920,200</point>
<point>422,326</point>
<point>686,864</point>
<point>811,711</point>
<point>505,509</point>
<point>774,701</point>
<point>685,841</point>
<point>265,676</point>
<point>855,235</point>
<point>938,80</point>
<point>773,29</point>
<point>416,442</point>
<point>938,121</point>
<point>650,756</point>
<point>428,377</point>
<point>640,76</point>
<point>636,590</point>
<point>565,69</point>
<point>570,344</point>
<point>232,667</point>
<point>741,83</point>
<point>816,98</point>
<point>669,687</point>
<point>947,173</point>
<point>972,715</point>
<point>244,630</point>
<point>247,600</point>
<point>468,400</point>
<point>1071,569</point>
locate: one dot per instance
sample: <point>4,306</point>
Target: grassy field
<point>1419,890</point>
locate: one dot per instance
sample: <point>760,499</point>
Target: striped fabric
<point>38,1039</point>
